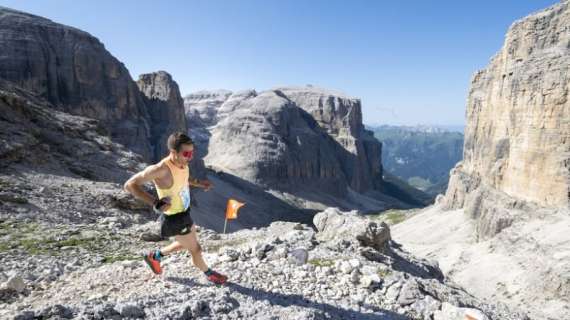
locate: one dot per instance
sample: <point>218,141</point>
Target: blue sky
<point>409,61</point>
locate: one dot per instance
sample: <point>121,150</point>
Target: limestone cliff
<point>341,117</point>
<point>270,141</point>
<point>302,141</point>
<point>165,107</point>
<point>517,138</point>
<point>74,72</point>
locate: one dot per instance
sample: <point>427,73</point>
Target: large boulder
<point>333,224</point>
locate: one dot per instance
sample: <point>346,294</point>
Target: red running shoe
<point>153,263</point>
<point>217,278</point>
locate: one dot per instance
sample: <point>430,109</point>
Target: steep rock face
<point>165,108</point>
<point>36,138</point>
<point>341,117</point>
<point>202,106</point>
<point>517,138</point>
<point>202,111</point>
<point>312,157</point>
<point>205,109</point>
<point>270,141</point>
<point>509,240</point>
<point>74,72</point>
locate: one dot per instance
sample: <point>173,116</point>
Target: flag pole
<point>225,223</point>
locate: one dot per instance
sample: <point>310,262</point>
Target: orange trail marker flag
<point>232,211</point>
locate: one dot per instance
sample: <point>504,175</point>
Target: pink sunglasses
<point>187,154</point>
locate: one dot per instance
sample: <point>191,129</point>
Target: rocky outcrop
<point>517,138</point>
<point>333,225</point>
<point>341,117</point>
<point>205,109</point>
<point>165,108</point>
<point>202,106</point>
<point>338,114</point>
<point>34,136</point>
<point>282,143</point>
<point>268,140</point>
<point>74,72</point>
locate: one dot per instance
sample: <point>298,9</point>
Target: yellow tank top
<point>179,192</point>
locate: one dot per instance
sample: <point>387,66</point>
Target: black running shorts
<point>175,224</point>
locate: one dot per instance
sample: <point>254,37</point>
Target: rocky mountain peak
<point>75,73</point>
<point>339,114</point>
<point>159,85</point>
<point>165,107</point>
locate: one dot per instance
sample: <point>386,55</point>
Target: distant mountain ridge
<point>419,127</point>
<point>421,155</point>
